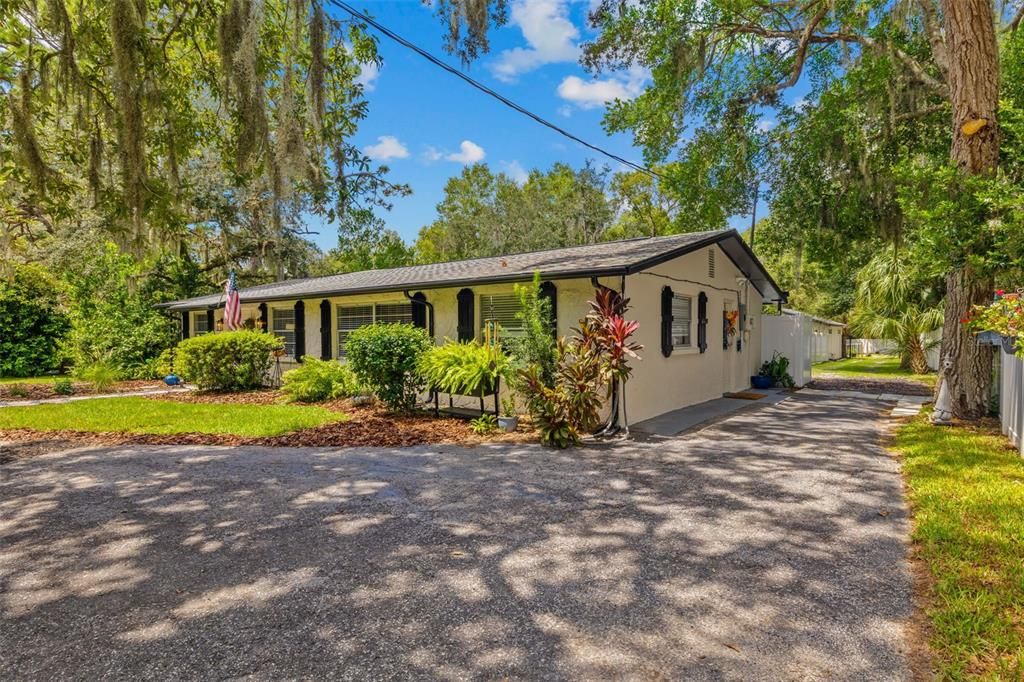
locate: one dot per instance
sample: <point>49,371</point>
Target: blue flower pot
<point>172,380</point>
<point>758,381</point>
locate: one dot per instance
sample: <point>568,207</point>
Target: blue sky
<point>425,124</point>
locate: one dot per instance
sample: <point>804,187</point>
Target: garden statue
<point>942,415</point>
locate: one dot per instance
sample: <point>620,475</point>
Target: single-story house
<point>697,298</point>
<point>828,339</point>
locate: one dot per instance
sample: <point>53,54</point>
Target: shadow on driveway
<point>768,546</point>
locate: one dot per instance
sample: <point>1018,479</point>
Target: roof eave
<point>419,286</point>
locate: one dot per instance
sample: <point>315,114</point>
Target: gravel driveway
<point>770,546</point>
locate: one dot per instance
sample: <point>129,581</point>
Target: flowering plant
<point>1004,315</point>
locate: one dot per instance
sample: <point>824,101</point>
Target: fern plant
<point>468,368</point>
<point>484,424</point>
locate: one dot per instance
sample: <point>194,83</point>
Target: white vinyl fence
<point>1011,398</point>
<point>792,336</point>
<point>871,346</point>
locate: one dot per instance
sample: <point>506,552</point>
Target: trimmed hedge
<point>385,358</point>
<point>227,361</point>
<point>315,380</point>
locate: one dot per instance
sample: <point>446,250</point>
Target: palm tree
<point>893,302</point>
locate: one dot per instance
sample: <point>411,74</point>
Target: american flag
<point>232,304</point>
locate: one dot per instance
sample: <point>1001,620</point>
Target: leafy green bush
<point>537,345</point>
<point>484,424</point>
<point>596,358</point>
<point>227,361</point>
<point>569,408</point>
<point>315,380</point>
<point>101,375</point>
<point>385,358</point>
<point>31,323</point>
<point>63,387</point>
<point>469,368</point>
<point>112,319</point>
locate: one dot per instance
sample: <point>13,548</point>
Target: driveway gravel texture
<point>768,546</point>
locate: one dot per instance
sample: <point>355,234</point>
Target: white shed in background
<point>791,335</point>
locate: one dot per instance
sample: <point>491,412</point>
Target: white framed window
<point>682,321</point>
<point>283,324</point>
<point>352,317</point>
<point>200,323</point>
<point>393,312</point>
<point>502,309</point>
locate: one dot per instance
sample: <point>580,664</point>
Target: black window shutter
<point>325,330</point>
<point>549,291</point>
<point>300,330</point>
<point>419,310</point>
<point>186,318</point>
<point>666,321</point>
<point>264,317</point>
<point>467,328</point>
<point>702,322</point>
<point>209,320</point>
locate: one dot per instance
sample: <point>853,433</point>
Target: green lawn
<point>872,367</point>
<point>966,488</point>
<point>143,415</point>
<point>30,380</point>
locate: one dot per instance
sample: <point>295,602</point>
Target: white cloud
<point>367,77</point>
<point>469,152</point>
<point>515,170</point>
<point>765,124</point>
<point>431,154</point>
<point>565,110</point>
<point>387,147</point>
<point>801,104</point>
<point>598,92</point>
<point>550,35</point>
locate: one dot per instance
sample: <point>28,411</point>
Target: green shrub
<point>112,317</point>
<point>101,375</point>
<point>63,387</point>
<point>484,424</point>
<point>17,391</point>
<point>315,380</point>
<point>385,358</point>
<point>31,323</point>
<point>537,345</point>
<point>470,368</point>
<point>227,361</point>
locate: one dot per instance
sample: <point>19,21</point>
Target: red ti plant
<point>615,347</point>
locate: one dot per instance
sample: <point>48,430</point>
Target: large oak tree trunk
<point>974,95</point>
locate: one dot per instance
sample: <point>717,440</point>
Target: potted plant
<point>774,372</point>
<point>762,379</point>
<point>509,420</point>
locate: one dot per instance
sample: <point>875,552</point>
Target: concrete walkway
<point>906,405</point>
<point>771,545</point>
<point>93,396</point>
<point>703,414</point>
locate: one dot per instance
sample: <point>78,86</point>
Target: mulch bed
<point>902,386</point>
<point>368,426</point>
<point>44,391</point>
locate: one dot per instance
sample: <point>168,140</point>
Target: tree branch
<point>911,64</point>
<point>933,30</point>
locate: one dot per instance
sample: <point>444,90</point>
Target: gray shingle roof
<point>607,258</point>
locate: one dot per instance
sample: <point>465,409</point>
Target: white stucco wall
<point>659,384</point>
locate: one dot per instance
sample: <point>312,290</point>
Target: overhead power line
<point>340,4</point>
